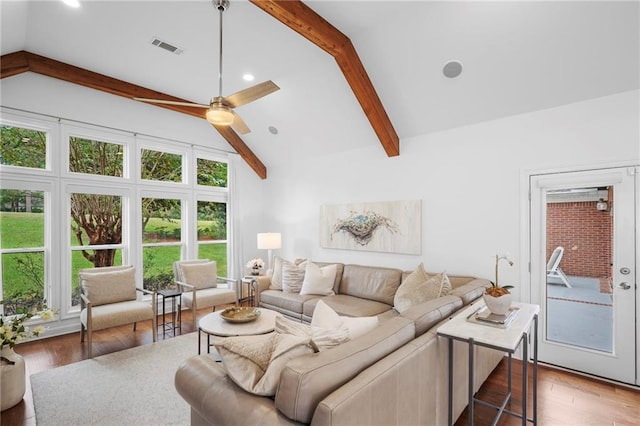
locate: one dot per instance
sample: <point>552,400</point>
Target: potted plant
<point>12,368</point>
<point>255,265</point>
<point>498,298</point>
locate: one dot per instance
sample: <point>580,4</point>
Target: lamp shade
<point>269,241</point>
<point>220,116</point>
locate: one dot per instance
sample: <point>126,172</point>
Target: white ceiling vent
<point>166,46</point>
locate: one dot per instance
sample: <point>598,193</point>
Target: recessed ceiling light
<point>452,69</point>
<point>248,77</point>
<point>71,3</point>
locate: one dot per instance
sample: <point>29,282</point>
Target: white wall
<point>468,180</point>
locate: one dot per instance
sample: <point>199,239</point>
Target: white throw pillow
<point>292,277</point>
<point>327,318</point>
<point>255,362</point>
<point>103,287</point>
<point>412,292</point>
<point>319,280</point>
<point>276,273</point>
<point>321,338</point>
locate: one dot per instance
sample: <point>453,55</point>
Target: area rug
<point>130,387</point>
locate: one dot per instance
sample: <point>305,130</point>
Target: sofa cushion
<point>339,271</point>
<point>255,362</point>
<point>288,301</point>
<point>416,289</point>
<point>319,280</point>
<point>326,318</point>
<point>308,379</point>
<point>347,305</point>
<point>369,282</point>
<point>109,285</point>
<point>427,314</point>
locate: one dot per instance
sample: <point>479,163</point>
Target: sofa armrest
<point>471,290</point>
<point>204,384</point>
<point>264,282</point>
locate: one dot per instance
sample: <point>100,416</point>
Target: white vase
<point>12,378</point>
<point>498,305</point>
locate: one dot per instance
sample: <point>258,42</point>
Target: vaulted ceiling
<point>517,57</point>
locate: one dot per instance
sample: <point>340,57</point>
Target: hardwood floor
<point>563,398</point>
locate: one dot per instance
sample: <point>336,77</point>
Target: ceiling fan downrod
<point>221,5</point>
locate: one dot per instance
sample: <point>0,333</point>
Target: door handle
<point>624,286</point>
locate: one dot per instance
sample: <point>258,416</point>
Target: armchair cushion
<point>115,314</point>
<point>200,275</point>
<point>104,287</point>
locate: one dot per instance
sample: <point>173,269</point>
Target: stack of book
<point>484,316</point>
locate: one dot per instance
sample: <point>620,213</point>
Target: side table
<point>508,340</point>
<point>175,317</point>
<point>252,283</point>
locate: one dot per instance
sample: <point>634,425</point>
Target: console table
<point>507,339</point>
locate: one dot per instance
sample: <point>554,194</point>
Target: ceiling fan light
<point>219,117</point>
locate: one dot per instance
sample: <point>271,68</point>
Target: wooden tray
<point>239,315</point>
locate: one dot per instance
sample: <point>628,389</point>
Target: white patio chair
<point>553,266</point>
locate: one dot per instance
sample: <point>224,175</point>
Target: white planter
<point>12,378</point>
<point>498,305</point>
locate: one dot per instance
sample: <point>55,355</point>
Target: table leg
<point>164,322</point>
<point>199,340</point>
<point>535,370</point>
<point>470,396</point>
<point>450,389</point>
<point>173,315</point>
<point>525,362</point>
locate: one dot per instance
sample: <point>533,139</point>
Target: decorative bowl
<point>240,314</point>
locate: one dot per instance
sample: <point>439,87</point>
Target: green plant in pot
<point>497,297</point>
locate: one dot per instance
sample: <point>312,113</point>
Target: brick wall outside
<point>586,235</point>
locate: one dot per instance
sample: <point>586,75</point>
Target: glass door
<point>583,259</point>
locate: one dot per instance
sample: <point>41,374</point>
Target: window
<point>211,173</point>
<point>23,147</point>
<point>95,157</point>
<point>95,234</point>
<point>22,233</point>
<point>161,240</point>
<point>162,166</point>
<point>105,198</point>
<point>212,233</point>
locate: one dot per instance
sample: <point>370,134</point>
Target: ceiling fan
<point>220,111</point>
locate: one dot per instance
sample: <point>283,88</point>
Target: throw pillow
<point>292,277</point>
<point>255,362</point>
<point>413,292</point>
<point>319,280</point>
<point>321,338</point>
<point>200,275</point>
<point>327,318</point>
<point>276,273</point>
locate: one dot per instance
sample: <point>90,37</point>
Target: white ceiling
<point>518,57</point>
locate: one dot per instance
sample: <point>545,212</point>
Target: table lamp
<point>269,241</point>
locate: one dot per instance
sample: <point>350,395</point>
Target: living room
<point>553,88</point>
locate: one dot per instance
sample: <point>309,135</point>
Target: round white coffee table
<point>214,325</point>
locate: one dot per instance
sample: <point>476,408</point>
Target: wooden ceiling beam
<point>302,19</point>
<point>22,61</point>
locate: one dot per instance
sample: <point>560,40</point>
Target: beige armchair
<point>109,299</point>
<point>201,286</point>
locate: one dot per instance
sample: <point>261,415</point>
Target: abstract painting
<point>391,226</point>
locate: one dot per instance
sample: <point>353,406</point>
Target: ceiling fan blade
<point>251,94</point>
<point>160,101</point>
<point>239,125</point>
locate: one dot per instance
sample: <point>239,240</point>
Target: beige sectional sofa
<point>395,374</point>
